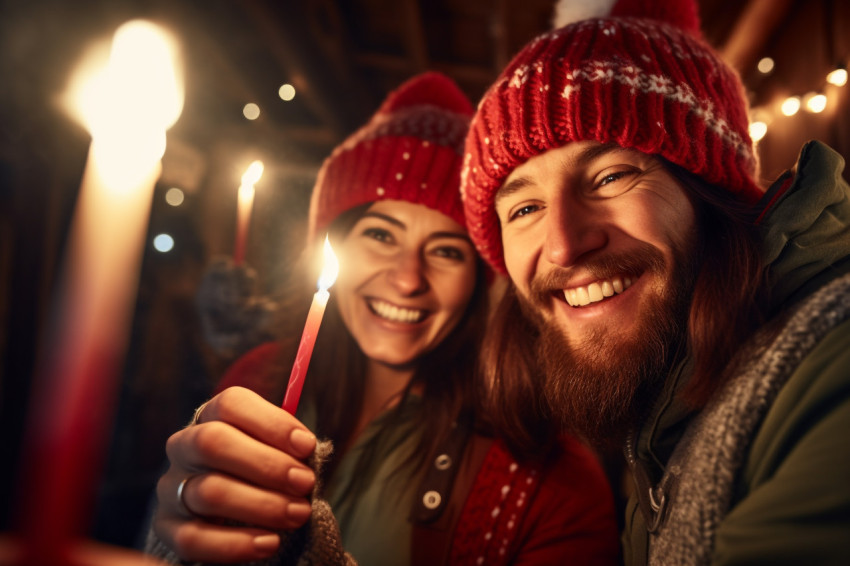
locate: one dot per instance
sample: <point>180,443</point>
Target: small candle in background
<point>311,330</point>
<point>244,205</point>
<point>127,106</point>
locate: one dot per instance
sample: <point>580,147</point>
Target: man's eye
<point>524,210</point>
<point>378,234</point>
<point>614,182</point>
<point>611,177</point>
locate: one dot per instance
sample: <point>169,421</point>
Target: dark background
<point>342,57</point>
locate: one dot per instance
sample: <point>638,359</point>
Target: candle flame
<point>330,269</point>
<point>138,89</point>
<point>249,178</point>
<point>129,102</point>
<point>253,173</point>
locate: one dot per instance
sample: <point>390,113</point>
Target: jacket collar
<point>805,229</point>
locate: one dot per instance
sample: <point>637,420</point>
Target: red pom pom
<point>431,88</point>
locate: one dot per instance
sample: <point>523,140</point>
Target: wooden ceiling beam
<point>304,74</point>
<point>752,31</point>
<point>499,32</point>
<point>413,33</point>
<point>396,65</point>
<point>327,28</point>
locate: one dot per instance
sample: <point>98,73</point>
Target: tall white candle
<point>128,108</point>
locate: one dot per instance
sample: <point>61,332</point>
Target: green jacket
<point>762,474</point>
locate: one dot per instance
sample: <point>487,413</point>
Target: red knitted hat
<point>409,150</point>
<point>641,77</point>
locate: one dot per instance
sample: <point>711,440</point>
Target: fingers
<point>216,445</point>
<point>244,463</point>
<point>213,495</point>
<point>260,419</point>
<point>200,541</point>
<point>240,433</point>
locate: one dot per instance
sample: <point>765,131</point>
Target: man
<point>659,297</point>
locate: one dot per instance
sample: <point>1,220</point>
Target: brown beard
<point>598,388</point>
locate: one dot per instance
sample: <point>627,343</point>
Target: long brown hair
<point>512,380</point>
<point>335,382</point>
<point>727,305</point>
<point>730,295</point>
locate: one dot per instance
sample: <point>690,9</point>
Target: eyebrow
<point>387,218</point>
<point>582,158</point>
<point>456,235</point>
<point>403,226</point>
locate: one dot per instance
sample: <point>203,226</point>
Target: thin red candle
<point>244,206</point>
<point>311,331</point>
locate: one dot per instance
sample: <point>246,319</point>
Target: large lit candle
<point>311,330</point>
<point>244,204</point>
<point>127,106</point>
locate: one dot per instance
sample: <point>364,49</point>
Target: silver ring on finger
<point>181,501</point>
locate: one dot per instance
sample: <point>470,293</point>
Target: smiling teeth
<point>396,314</point>
<point>596,291</point>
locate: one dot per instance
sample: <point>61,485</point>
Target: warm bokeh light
<point>286,92</point>
<point>251,111</point>
<point>163,243</point>
<point>838,77</point>
<point>758,130</point>
<point>330,269</point>
<point>174,196</point>
<point>765,65</point>
<point>791,105</point>
<point>815,102</point>
<point>128,102</point>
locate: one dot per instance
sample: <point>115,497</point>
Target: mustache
<point>644,257</point>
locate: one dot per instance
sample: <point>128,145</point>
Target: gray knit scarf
<point>706,461</point>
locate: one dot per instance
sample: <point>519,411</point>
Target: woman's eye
<point>449,252</point>
<point>378,234</point>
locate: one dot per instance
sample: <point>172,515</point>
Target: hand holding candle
<point>244,204</point>
<point>311,330</point>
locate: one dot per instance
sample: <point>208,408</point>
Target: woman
<point>416,477</point>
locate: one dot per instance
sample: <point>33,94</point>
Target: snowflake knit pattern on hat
<point>640,77</point>
<point>410,150</point>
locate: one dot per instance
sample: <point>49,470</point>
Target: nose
<point>573,229</point>
<point>407,275</point>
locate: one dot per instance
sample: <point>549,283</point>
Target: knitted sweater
<point>509,513</point>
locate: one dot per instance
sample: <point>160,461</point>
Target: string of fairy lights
<point>814,101</point>
<point>761,118</point>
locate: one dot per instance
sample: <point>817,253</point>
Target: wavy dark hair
<point>335,380</point>
<point>727,305</point>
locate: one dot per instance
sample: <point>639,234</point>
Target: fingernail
<point>266,543</point>
<point>302,441</point>
<point>298,512</point>
<point>302,479</point>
